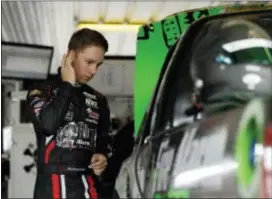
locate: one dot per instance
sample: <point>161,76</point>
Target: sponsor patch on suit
<point>92,114</point>
<point>37,107</point>
<point>91,103</point>
<point>93,121</point>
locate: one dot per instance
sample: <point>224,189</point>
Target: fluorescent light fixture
<point>247,43</point>
<point>25,61</point>
<point>110,27</point>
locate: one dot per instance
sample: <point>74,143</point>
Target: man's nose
<point>93,70</point>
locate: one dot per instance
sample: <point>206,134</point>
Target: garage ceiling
<point>52,23</point>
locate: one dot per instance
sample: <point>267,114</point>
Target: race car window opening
<point>164,104</point>
<point>178,74</point>
<point>150,116</point>
<point>155,111</point>
<point>182,86</point>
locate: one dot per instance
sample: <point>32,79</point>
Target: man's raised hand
<point>67,70</point>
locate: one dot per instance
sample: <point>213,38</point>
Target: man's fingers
<point>68,61</point>
<point>63,61</point>
<point>99,164</point>
<point>72,55</point>
<point>99,168</point>
<point>70,58</point>
<point>95,158</point>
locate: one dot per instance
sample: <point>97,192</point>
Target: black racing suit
<point>71,123</point>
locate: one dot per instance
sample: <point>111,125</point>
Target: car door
<point>163,146</point>
<point>133,177</point>
<point>137,174</point>
<point>130,181</point>
<point>168,123</point>
<point>169,126</point>
<point>141,170</point>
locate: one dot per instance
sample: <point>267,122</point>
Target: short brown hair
<point>86,37</point>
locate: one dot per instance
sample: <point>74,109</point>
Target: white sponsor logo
<point>74,135</point>
<point>82,142</point>
<point>90,102</point>
<point>93,121</point>
<point>89,95</point>
<point>75,169</point>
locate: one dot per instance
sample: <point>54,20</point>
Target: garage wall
<point>115,79</point>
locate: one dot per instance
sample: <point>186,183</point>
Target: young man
<point>71,122</point>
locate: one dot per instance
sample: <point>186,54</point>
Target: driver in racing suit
<point>71,122</point>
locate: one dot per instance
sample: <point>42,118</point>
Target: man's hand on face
<point>98,163</point>
<point>67,70</point>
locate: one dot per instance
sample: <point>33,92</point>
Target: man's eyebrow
<point>90,59</point>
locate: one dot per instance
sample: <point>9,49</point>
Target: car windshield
<point>235,41</point>
<point>202,46</point>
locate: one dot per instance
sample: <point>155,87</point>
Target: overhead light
<point>110,27</point>
<point>26,61</point>
<point>247,43</point>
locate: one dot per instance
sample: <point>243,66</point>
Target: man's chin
<point>84,81</point>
